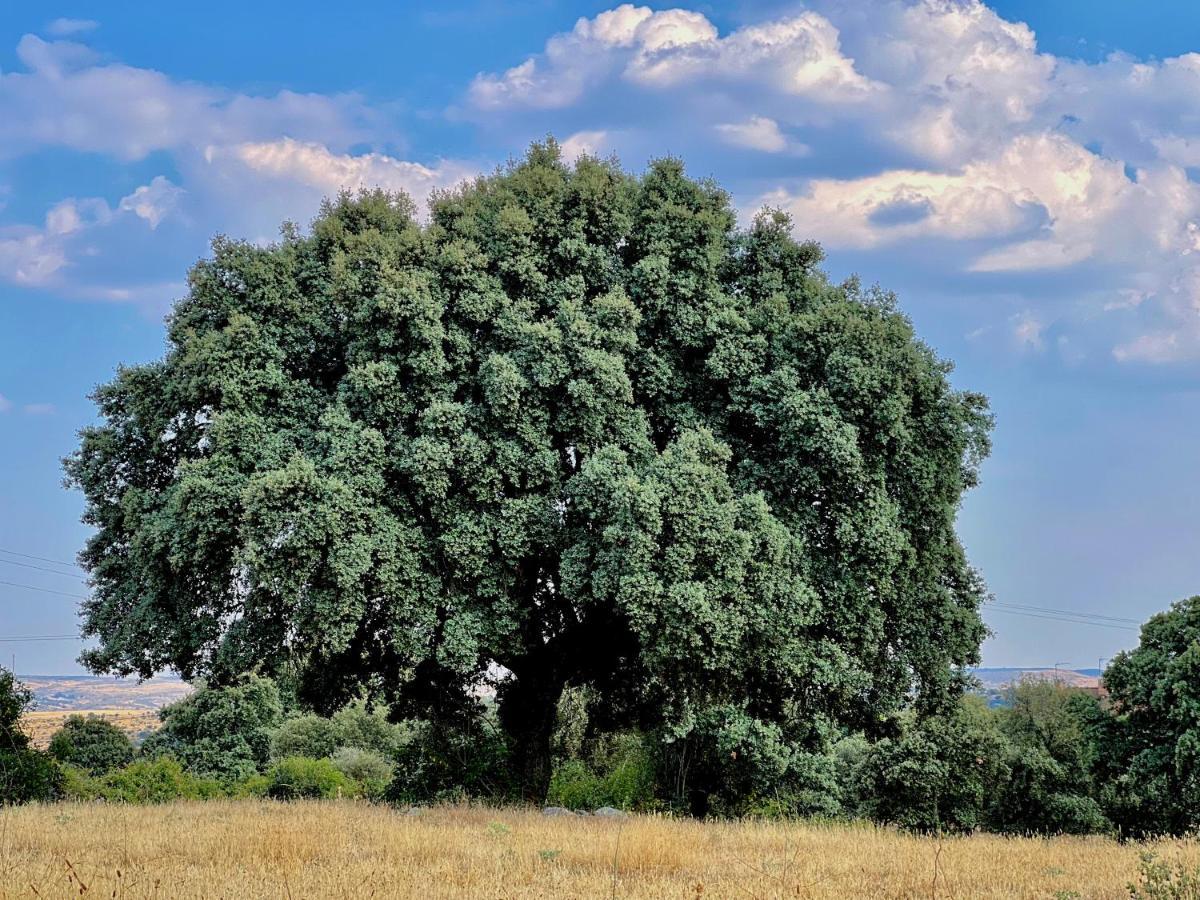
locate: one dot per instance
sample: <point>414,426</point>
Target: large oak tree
<point>578,428</point>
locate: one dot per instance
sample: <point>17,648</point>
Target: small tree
<point>25,773</point>
<point>939,774</point>
<point>220,732</point>
<point>1152,761</point>
<point>92,744</point>
<point>1050,788</point>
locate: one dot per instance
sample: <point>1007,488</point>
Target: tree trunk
<point>528,709</point>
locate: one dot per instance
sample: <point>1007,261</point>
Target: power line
<point>1067,612</point>
<point>41,637</point>
<point>1052,618</point>
<point>31,587</point>
<point>13,562</point>
<point>57,562</point>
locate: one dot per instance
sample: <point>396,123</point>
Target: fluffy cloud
<point>152,201</point>
<point>245,162</point>
<point>313,165</point>
<point>1067,186</point>
<point>35,256</point>
<point>927,120</point>
<point>68,97</point>
<point>799,56</point>
<point>592,143</point>
<point>1063,203</point>
<point>757,133</point>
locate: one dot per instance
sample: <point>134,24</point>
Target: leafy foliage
<point>939,774</point>
<point>620,772</point>
<point>1050,787</point>
<point>220,732</point>
<point>160,780</point>
<point>445,762</point>
<point>371,770</point>
<point>1159,880</point>
<point>1151,760</point>
<point>298,778</point>
<point>25,773</point>
<point>578,426</point>
<point>92,744</point>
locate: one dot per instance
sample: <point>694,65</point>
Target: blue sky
<point>1025,175</point>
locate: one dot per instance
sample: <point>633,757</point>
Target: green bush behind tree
<point>25,773</point>
<point>92,744</point>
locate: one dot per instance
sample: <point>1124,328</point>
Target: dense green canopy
<point>579,428</point>
<point>1152,760</point>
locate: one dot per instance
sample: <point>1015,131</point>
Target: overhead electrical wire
<point>32,587</point>
<point>57,562</point>
<point>13,562</point>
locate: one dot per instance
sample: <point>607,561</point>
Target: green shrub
<point>26,774</point>
<point>575,786</point>
<point>371,770</point>
<point>159,780</point>
<point>940,773</point>
<point>298,777</point>
<point>92,744</point>
<point>311,735</point>
<point>252,787</point>
<point>441,761</point>
<point>620,772</point>
<point>220,732</point>
<point>368,728</point>
<point>1159,881</point>
<point>78,784</point>
<point>1075,814</point>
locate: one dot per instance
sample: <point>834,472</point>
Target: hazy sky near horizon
<point>1025,175</point>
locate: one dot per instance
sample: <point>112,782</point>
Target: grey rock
<point>611,812</point>
<point>415,811</point>
<point>556,811</point>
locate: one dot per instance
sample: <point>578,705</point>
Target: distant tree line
<point>1055,759</point>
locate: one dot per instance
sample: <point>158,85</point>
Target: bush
<point>372,771</point>
<point>730,763</point>
<point>26,774</point>
<point>158,780</point>
<point>620,772</point>
<point>939,774</point>
<point>92,744</point>
<point>298,778</point>
<point>442,761</point>
<point>368,728</point>
<point>220,732</point>
<point>353,726</point>
<point>1158,880</point>
<point>78,784</point>
<point>312,736</point>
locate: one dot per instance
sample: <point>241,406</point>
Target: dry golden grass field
<point>41,725</point>
<point>253,849</point>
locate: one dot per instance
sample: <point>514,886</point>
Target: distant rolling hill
<point>130,705</point>
<point>998,678</point>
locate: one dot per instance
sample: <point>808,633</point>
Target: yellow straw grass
<point>253,849</point>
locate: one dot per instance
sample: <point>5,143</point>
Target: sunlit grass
<point>251,849</point>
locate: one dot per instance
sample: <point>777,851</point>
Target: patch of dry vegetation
<point>249,849</point>
<point>41,725</point>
